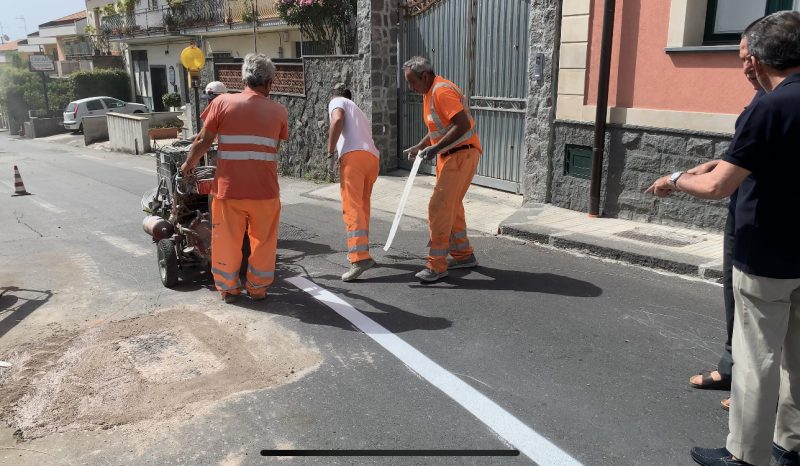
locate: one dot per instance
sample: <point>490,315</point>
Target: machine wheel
<point>168,262</point>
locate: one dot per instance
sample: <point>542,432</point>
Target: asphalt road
<point>591,357</point>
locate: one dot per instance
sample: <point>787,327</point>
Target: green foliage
<point>22,90</point>
<point>173,99</point>
<point>16,59</point>
<point>173,123</point>
<point>248,15</point>
<point>108,82</point>
<point>60,92</point>
<point>329,22</point>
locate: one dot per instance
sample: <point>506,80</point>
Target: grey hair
<point>418,65</point>
<point>775,40</point>
<point>257,69</point>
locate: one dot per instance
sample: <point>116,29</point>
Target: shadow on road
<point>285,299</point>
<point>490,279</point>
<point>18,303</point>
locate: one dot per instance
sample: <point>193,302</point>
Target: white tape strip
<point>400,207</point>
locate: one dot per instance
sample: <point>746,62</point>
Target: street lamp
<point>193,59</point>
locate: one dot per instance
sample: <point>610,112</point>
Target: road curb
<point>683,264</point>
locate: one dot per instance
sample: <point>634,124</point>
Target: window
<point>726,19</point>
<point>92,105</point>
<point>113,103</point>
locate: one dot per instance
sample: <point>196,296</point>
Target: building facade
<point>675,90</point>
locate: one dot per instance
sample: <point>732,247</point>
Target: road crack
<point>19,216</point>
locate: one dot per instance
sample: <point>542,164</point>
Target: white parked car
<point>93,106</point>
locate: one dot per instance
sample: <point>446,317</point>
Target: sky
<point>35,13</point>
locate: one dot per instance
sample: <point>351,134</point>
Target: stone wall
<point>543,35</point>
<point>304,154</point>
<point>372,77</point>
<point>377,37</point>
<point>634,158</point>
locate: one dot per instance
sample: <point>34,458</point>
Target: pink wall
<point>643,75</point>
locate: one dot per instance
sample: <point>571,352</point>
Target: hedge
<point>102,82</point>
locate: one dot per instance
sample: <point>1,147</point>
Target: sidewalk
<point>680,250</point>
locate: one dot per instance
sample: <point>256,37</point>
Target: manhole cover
<point>287,232</point>
<point>674,240</point>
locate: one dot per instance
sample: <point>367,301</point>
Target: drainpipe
<point>602,108</point>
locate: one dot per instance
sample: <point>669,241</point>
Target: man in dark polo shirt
<point>763,162</point>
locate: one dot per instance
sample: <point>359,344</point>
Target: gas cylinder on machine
<point>157,227</point>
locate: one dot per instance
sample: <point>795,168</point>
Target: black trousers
<point>726,361</point>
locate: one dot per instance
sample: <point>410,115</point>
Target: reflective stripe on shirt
<point>247,155</point>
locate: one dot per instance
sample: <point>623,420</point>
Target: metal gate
<point>482,46</point>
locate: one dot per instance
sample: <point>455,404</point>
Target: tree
<point>331,23</point>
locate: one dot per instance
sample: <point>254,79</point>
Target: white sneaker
<point>357,268</point>
<point>467,263</point>
<point>428,275</point>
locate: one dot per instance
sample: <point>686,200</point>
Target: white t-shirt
<point>357,130</point>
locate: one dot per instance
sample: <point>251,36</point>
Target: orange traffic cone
<point>19,188</point>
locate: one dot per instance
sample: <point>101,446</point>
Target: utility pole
<point>254,4</point>
<point>24,24</point>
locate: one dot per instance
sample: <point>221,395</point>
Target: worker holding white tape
<point>453,137</point>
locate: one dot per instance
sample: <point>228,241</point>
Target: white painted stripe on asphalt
<point>123,244</point>
<point>511,429</point>
<point>47,206</point>
<point>43,204</point>
<point>149,171</point>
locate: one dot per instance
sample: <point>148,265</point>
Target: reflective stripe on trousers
<point>230,218</point>
<point>358,172</point>
<point>446,219</point>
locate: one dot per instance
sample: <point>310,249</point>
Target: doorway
<point>158,75</point>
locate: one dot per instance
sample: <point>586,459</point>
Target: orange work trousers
<point>230,218</point>
<point>448,226</point>
<point>358,172</point>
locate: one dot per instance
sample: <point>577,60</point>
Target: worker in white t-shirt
<point>351,134</point>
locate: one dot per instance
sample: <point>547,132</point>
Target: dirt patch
<point>152,368</point>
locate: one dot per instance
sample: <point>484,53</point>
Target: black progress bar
<point>389,452</point>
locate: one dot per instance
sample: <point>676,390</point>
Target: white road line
<point>47,206</point>
<point>43,204</point>
<point>124,244</point>
<point>511,429</point>
<point>149,171</point>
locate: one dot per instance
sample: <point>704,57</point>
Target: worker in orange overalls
<point>351,134</point>
<point>245,194</point>
<point>451,136</point>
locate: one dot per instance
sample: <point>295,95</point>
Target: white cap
<point>216,87</point>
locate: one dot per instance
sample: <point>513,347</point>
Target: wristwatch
<point>673,179</point>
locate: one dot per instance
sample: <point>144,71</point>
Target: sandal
<point>708,383</point>
<point>726,404</point>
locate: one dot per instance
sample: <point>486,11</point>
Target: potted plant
<point>248,13</point>
<point>171,100</point>
<point>166,129</point>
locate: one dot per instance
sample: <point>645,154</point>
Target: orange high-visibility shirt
<point>448,101</point>
<point>249,127</point>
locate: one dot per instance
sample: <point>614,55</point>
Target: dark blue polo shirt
<point>739,121</point>
<point>768,145</point>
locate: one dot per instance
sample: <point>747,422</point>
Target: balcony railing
<point>78,49</point>
<point>187,15</point>
<point>135,23</point>
<point>241,11</point>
